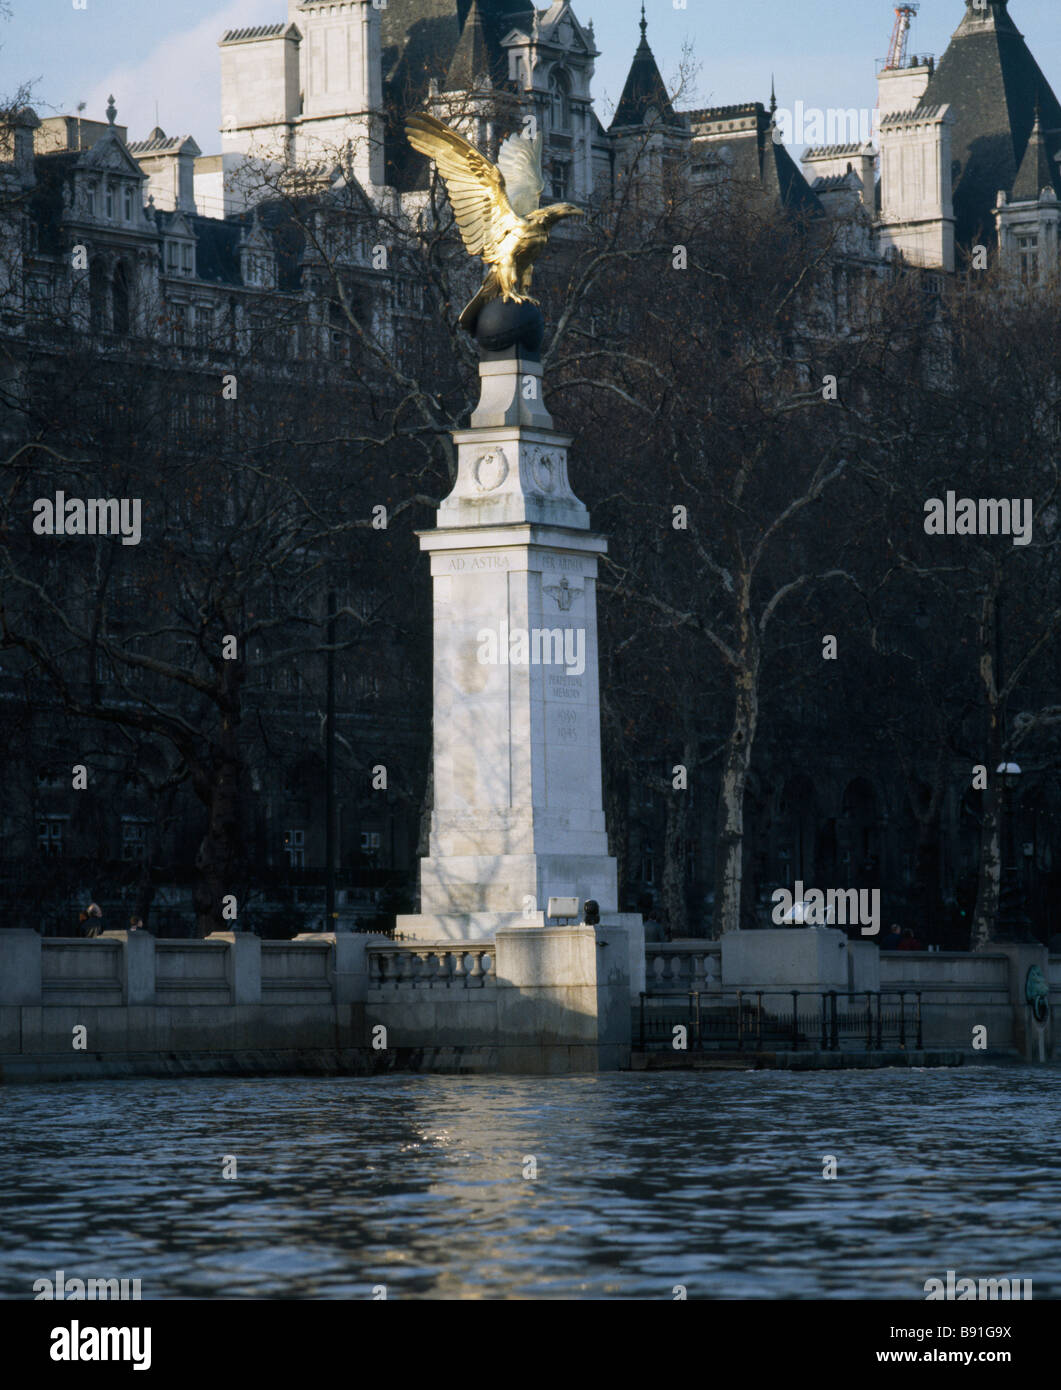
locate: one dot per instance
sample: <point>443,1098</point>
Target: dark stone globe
<point>502,325</point>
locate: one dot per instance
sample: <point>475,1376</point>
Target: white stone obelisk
<point>518,814</point>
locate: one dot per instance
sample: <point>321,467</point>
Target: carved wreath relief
<point>490,470</point>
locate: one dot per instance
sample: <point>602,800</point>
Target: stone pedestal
<point>20,966</point>
<point>563,999</point>
<point>518,813</point>
<point>138,965</point>
<point>812,958</point>
<point>243,965</point>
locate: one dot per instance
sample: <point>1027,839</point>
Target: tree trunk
<point>220,855</point>
<point>423,838</point>
<point>986,916</point>
<point>985,919</point>
<point>675,903</point>
<point>145,888</point>
<point>988,886</point>
<point>617,820</point>
<point>928,901</point>
<point>729,847</point>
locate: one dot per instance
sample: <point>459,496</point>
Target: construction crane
<point>900,33</point>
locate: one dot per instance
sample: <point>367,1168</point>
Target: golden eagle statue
<point>496,207</point>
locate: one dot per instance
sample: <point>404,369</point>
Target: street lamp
<point>1012,919</point>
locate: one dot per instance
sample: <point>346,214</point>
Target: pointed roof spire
<point>112,110</point>
<point>1036,170</point>
<point>773,98</point>
<point>471,57</point>
<point>991,82</point>
<point>644,88</point>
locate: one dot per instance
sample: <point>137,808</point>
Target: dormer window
<point>128,201</point>
<point>110,202</point>
<point>186,259</point>
<point>90,199</point>
<point>171,256</point>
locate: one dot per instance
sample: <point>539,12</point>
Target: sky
<point>821,52</point>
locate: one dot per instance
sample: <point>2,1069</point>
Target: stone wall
<point>548,999</point>
<point>959,990</point>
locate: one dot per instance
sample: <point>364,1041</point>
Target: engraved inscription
<point>478,562</point>
<point>565,687</point>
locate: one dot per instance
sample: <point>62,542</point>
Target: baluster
<point>489,968</point>
<point>697,981</point>
<point>444,959</point>
<point>386,967</point>
<point>401,967</point>
<point>460,976</point>
<point>475,976</point>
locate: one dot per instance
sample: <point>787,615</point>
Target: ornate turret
<point>645,100</point>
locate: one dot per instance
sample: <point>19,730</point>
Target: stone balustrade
<point>678,967</point>
<point>534,999</point>
<point>431,966</point>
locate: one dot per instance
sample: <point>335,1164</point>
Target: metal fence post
<point>641,1025</point>
<point>879,1023</point>
<point>902,1019</point>
<point>869,1021</point>
<point>740,1020</point>
<point>835,1029</point>
<point>918,996</point>
<point>795,1020</point>
<point>699,1046</point>
<point>759,1020</point>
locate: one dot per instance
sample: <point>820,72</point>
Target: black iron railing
<point>746,1020</point>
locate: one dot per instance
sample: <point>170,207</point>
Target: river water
<point>423,1184</point>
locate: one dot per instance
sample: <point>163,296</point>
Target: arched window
<point>559,100</point>
<point>120,293</point>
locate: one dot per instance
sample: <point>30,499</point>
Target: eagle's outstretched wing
<point>476,187</point>
<point>520,162</point>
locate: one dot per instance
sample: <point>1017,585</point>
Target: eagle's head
<point>545,217</point>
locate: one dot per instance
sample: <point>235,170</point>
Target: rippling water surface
<point>713,1181</point>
